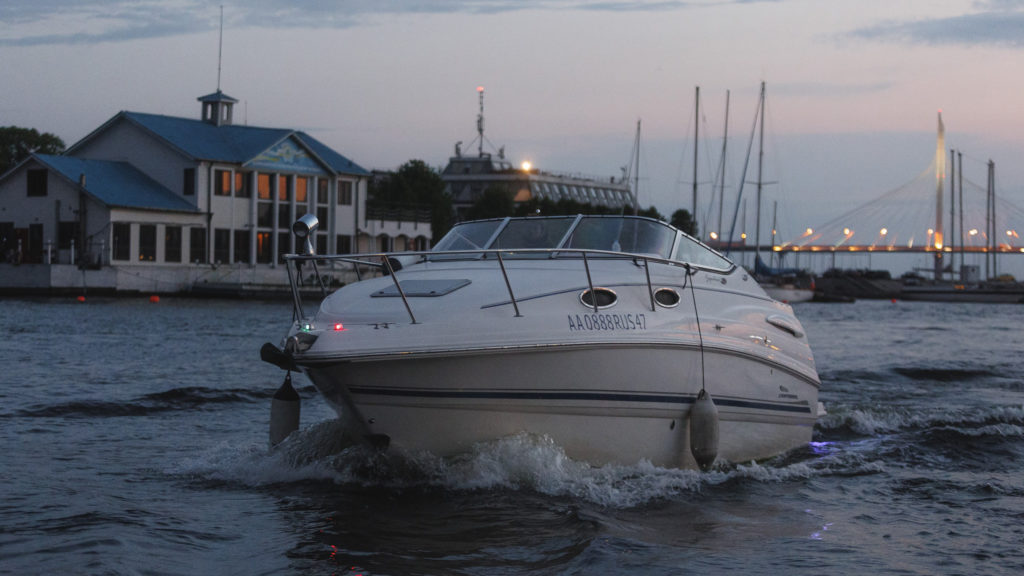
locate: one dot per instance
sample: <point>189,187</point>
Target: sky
<point>853,86</point>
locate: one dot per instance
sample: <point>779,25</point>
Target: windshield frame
<point>678,238</point>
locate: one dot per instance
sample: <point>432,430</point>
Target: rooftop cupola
<point>217,108</point>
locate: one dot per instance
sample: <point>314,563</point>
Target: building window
<point>283,220</point>
<point>221,245</point>
<point>37,182</point>
<point>264,248</point>
<point>189,183</point>
<point>122,242</point>
<point>265,214</point>
<point>263,186</point>
<point>283,246</point>
<point>172,244</point>
<point>147,242</point>
<point>344,193</point>
<point>301,190</point>
<point>321,192</point>
<point>241,252</point>
<point>344,244</point>
<point>321,244</point>
<point>284,193</point>
<point>67,232</point>
<point>321,216</point>
<point>242,185</point>
<point>222,182</point>
<point>197,245</point>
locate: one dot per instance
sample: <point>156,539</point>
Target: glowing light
<point>479,88</point>
<point>846,231</point>
<point>714,235</point>
<point>938,245</point>
<point>526,166</point>
<point>930,231</point>
<point>809,232</point>
<point>883,231</point>
<point>339,327</point>
<point>743,236</point>
<point>973,232</point>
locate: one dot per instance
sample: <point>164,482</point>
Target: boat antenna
<point>690,273</point>
<point>480,122</point>
<point>220,46</point>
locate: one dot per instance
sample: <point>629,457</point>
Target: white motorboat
<point>597,332</point>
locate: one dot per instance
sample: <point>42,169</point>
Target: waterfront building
<point>467,177</point>
<point>148,202</point>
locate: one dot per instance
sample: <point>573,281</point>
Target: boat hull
<point>601,404</point>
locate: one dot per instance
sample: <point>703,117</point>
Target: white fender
<point>704,430</point>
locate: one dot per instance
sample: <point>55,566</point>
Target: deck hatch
<point>423,288</point>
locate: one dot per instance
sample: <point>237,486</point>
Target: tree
<point>415,184</point>
<point>495,202</point>
<point>681,219</point>
<point>16,144</point>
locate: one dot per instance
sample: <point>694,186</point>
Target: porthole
<point>605,298</point>
<point>666,297</point>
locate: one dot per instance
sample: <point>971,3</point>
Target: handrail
<point>382,260</point>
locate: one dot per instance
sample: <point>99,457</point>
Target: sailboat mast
<point>636,175</point>
<point>952,208</point>
<point>696,139</point>
<point>960,171</point>
<point>775,215</point>
<point>480,122</point>
<point>995,236</point>
<point>940,175</point>
<point>760,166</point>
<point>721,177</point>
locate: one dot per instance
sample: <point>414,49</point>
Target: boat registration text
<point>607,322</point>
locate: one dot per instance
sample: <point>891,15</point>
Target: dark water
<point>133,440</point>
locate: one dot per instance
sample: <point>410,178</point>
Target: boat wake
<point>324,453</point>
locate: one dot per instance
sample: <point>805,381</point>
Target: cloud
<point>1000,23</point>
<point>43,22</point>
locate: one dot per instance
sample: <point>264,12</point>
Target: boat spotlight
<point>304,228</point>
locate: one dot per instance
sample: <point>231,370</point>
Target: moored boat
<point>598,332</point>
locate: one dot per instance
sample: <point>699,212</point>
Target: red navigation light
<point>479,88</point>
<point>338,327</point>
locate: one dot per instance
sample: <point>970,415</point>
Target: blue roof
<point>234,144</point>
<point>117,184</point>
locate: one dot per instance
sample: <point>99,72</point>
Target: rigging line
<point>743,177</point>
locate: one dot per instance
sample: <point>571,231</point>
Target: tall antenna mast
<point>480,121</point>
<point>220,45</point>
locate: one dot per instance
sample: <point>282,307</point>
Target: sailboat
<point>782,284</point>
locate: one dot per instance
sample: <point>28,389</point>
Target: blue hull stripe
<point>562,395</point>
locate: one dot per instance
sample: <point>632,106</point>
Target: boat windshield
<point>631,235</point>
<point>627,234</point>
<point>468,236</point>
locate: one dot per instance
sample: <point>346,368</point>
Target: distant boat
<point>784,284</point>
<point>970,289</point>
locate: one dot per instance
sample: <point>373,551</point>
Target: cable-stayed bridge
<point>941,212</point>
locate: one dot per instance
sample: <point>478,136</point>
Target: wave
<point>944,374</point>
<point>872,422</point>
<point>185,398</point>
<point>325,453</point>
